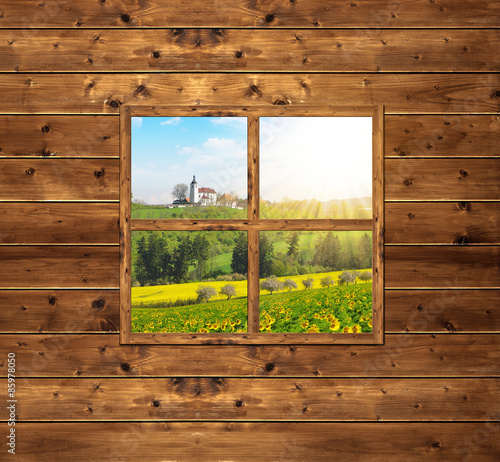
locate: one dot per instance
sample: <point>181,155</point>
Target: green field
<point>335,309</point>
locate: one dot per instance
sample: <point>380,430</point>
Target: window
<point>251,225</point>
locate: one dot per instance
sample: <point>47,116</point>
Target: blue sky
<point>300,158</point>
<point>170,150</point>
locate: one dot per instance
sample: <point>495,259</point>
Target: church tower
<point>193,191</point>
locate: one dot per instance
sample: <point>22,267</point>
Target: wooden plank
<point>294,50</point>
<point>125,232</point>
<point>59,266</point>
<point>80,399</point>
<point>259,442</point>
<point>312,224</point>
<point>59,179</point>
<point>461,311</point>
<point>403,355</point>
<point>59,310</point>
<point>442,222</point>
<point>442,266</point>
<point>104,93</point>
<point>442,311</point>
<point>443,135</point>
<point>58,136</point>
<point>58,223</point>
<point>378,14</point>
<point>442,179</point>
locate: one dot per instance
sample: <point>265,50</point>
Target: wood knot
<point>420,307</point>
<point>141,89</point>
<point>411,215</point>
<point>496,94</point>
<point>436,444</point>
<point>238,403</point>
<point>125,17</point>
<point>52,301</point>
<point>90,85</point>
<point>407,182</point>
<point>155,403</point>
<point>45,129</point>
<point>125,366</point>
<point>98,304</point>
<point>450,327</point>
<point>30,171</point>
<point>102,349</point>
<point>269,17</point>
<point>461,240</point>
<point>464,206</point>
<point>282,101</point>
<point>99,173</point>
<point>56,394</point>
<point>115,103</point>
<point>292,349</point>
<point>269,367</point>
<point>339,394</point>
<point>463,174</point>
<point>156,54</point>
<point>239,54</point>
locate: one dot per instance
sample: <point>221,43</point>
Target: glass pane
<point>315,281</point>
<point>189,167</point>
<point>189,281</point>
<point>316,167</point>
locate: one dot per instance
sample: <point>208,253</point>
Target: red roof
<point>206,190</point>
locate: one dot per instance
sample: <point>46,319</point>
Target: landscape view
<point>196,282</point>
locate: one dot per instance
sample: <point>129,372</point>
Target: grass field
<point>156,294</point>
<point>335,309</point>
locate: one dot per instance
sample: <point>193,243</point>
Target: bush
<point>307,283</point>
<point>365,276</point>
<point>228,290</point>
<point>272,284</point>
<point>224,277</point>
<point>205,293</point>
<point>327,281</point>
<point>238,277</point>
<point>289,284</point>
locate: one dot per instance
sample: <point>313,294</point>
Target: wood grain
<point>442,222</point>
<point>442,179</point>
<point>260,442</point>
<point>443,267</point>
<point>443,135</point>
<point>59,310</point>
<point>59,266</point>
<point>375,14</point>
<point>460,311</point>
<point>58,136</point>
<point>58,223</point>
<point>59,179</point>
<point>175,399</point>
<point>104,93</point>
<point>194,50</point>
<point>442,311</point>
<point>403,355</point>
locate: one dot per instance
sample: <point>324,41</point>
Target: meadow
<point>333,309</point>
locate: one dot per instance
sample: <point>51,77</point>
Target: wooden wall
<point>431,392</point>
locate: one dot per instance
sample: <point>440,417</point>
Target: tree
<point>308,283</point>
<point>327,281</point>
<point>228,290</point>
<point>293,245</point>
<point>239,261</point>
<point>347,277</point>
<point>205,293</point>
<point>266,256</point>
<point>200,248</point>
<point>180,191</point>
<point>182,257</point>
<point>289,284</point>
<point>271,284</point>
<point>365,251</point>
<point>327,252</point>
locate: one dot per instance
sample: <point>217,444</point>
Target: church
<point>202,196</point>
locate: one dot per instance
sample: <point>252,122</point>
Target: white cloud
<point>189,150</point>
<point>233,122</point>
<point>136,122</point>
<point>171,121</point>
<point>220,143</point>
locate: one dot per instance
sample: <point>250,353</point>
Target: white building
<point>202,196</point>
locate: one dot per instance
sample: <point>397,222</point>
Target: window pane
<point>188,281</point>
<point>189,167</point>
<point>316,167</point>
<point>315,281</point>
